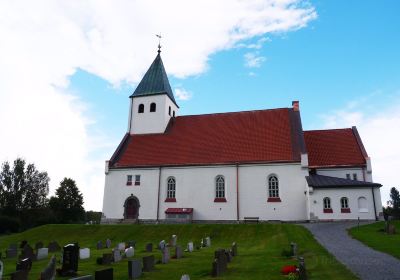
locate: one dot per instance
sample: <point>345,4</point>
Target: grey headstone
<point>149,247</point>
<point>161,245</point>
<point>234,249</point>
<point>116,255</point>
<point>134,269</point>
<point>208,241</point>
<point>84,253</point>
<point>302,269</point>
<point>148,263</point>
<point>190,247</point>
<point>185,277</point>
<point>173,240</point>
<point>1,269</point>
<point>19,275</point>
<point>121,246</point>
<point>39,245</point>
<point>293,249</point>
<point>104,274</point>
<point>42,253</point>
<point>165,255</point>
<point>11,253</point>
<point>99,245</point>
<point>49,273</point>
<point>178,252</point>
<point>108,243</point>
<point>129,252</point>
<point>86,277</point>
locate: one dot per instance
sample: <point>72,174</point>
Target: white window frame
<point>327,203</point>
<point>273,186</point>
<point>344,203</point>
<point>129,180</point>
<point>171,187</point>
<point>137,180</point>
<point>219,186</point>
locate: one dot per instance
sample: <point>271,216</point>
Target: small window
<point>141,108</point>
<point>344,202</point>
<point>171,187</point>
<point>327,203</point>
<point>273,186</point>
<point>348,177</point>
<point>137,180</point>
<point>219,187</point>
<point>129,180</point>
<point>153,107</point>
<point>173,114</point>
<point>169,110</point>
<point>355,176</point>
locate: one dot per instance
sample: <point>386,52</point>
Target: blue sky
<point>69,68</point>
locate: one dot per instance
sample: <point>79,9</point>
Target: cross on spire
<point>159,42</point>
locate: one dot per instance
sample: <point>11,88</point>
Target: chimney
<point>296,106</point>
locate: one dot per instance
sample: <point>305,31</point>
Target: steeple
<point>155,81</point>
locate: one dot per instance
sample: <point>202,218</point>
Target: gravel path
<point>363,261</point>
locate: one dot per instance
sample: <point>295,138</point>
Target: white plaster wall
<point>151,122</point>
<point>116,192</point>
<point>341,173</point>
<point>292,188</point>
<point>317,196</point>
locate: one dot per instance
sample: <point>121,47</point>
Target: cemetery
<point>197,251</point>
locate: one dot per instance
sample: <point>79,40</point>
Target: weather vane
<point>159,42</point>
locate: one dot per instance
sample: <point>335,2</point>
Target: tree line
<point>24,201</point>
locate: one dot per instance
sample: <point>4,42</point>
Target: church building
<point>232,167</point>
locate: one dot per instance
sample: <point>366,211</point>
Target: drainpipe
<point>373,198</point>
<point>158,196</point>
<point>237,192</point>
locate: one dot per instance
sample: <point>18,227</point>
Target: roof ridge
<point>331,129</point>
<point>236,112</point>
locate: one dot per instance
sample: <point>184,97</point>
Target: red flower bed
<point>289,269</point>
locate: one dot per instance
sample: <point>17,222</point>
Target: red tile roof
<point>334,147</point>
<point>252,136</point>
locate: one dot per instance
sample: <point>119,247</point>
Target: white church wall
<point>353,195</point>
<point>341,173</point>
<point>254,192</point>
<point>151,122</point>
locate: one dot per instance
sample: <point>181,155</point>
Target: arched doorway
<point>131,207</point>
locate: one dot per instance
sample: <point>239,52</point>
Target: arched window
<point>362,204</point>
<point>171,187</point>
<point>169,110</point>
<point>344,202</point>
<point>141,108</point>
<point>219,186</point>
<point>153,107</point>
<point>327,203</point>
<point>273,186</point>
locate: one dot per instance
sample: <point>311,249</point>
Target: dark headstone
<point>148,263</point>
<point>293,249</point>
<point>86,277</point>
<point>222,260</point>
<point>49,273</point>
<point>27,252</point>
<point>20,275</point>
<point>149,247</point>
<point>116,255</point>
<point>302,269</point>
<point>178,252</point>
<point>216,270</point>
<point>228,254</point>
<point>104,274</point>
<point>24,264</point>
<point>22,244</point>
<point>53,247</point>
<point>391,229</point>
<point>70,260</point>
<point>39,245</point>
<point>234,249</point>
<point>134,269</point>
<point>99,245</point>
<point>131,243</point>
<point>106,259</point>
<point>11,253</point>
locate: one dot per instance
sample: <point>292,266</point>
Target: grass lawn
<point>259,249</point>
<point>373,236</point>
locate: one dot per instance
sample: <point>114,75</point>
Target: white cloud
<point>257,45</point>
<point>182,94</point>
<point>42,43</point>
<point>253,60</point>
<point>379,130</point>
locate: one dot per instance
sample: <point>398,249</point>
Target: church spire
<point>155,81</point>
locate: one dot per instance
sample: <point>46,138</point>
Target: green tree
<point>395,202</point>
<point>68,202</point>
<point>22,187</point>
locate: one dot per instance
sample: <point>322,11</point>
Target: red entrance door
<point>131,209</point>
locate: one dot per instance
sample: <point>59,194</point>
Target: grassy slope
<point>372,236</point>
<point>259,248</point>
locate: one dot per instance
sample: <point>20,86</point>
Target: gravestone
<point>129,252</point>
<point>234,249</point>
<point>302,269</point>
<point>178,252</point>
<point>121,246</point>
<point>165,255</point>
<point>104,274</point>
<point>42,253</point>
<point>173,240</point>
<point>106,259</point>
<point>27,252</point>
<point>149,247</point>
<point>13,246</point>
<point>39,245</point>
<point>86,277</point>
<point>185,277</point>
<point>22,244</point>
<point>84,253</point>
<point>293,249</point>
<point>99,245</point>
<point>19,275</point>
<point>108,243</point>
<point>131,243</point>
<point>208,242</point>
<point>11,253</point>
<point>148,263</point>
<point>53,247</point>
<point>222,260</point>
<point>24,264</point>
<point>161,245</point>
<point>1,269</point>
<point>190,247</point>
<point>116,255</point>
<point>391,229</point>
<point>216,269</point>
<point>134,269</point>
<point>49,273</point>
<point>228,254</point>
<point>70,260</point>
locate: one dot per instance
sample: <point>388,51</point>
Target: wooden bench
<point>251,219</point>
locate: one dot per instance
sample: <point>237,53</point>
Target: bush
<point>9,224</point>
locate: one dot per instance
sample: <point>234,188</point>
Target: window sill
<point>220,199</point>
<point>129,184</point>
<point>345,210</point>
<point>137,184</point>
<point>170,200</point>
<point>274,199</point>
<point>328,211</point>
